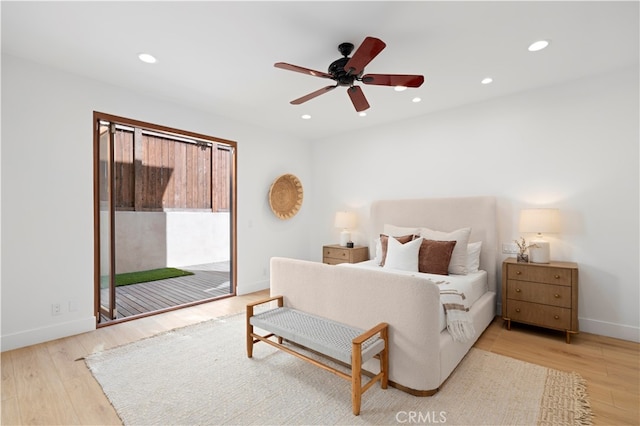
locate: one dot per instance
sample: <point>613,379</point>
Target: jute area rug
<point>200,375</point>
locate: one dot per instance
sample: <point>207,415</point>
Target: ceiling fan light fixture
<point>147,58</point>
<point>362,114</point>
<point>416,100</point>
<point>538,45</point>
<point>487,80</point>
<point>305,117</point>
<point>400,88</point>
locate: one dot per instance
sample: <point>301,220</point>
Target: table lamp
<point>539,221</point>
<point>346,221</point>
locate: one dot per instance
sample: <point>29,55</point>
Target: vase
<point>523,258</point>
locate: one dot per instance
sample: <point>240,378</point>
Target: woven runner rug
<point>200,375</point>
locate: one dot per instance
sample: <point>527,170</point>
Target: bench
<point>346,344</point>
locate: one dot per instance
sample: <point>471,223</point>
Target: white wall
<point>572,146</point>
<point>141,241</point>
<point>47,194</point>
<point>150,240</point>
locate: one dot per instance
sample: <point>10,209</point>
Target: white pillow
<point>399,231</point>
<point>458,264</point>
<point>403,256</point>
<point>378,251</point>
<point>473,256</point>
<point>393,231</point>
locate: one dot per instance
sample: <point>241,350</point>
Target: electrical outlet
<point>509,248</point>
<point>55,309</point>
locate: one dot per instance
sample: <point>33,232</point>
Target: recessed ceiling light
<point>538,45</point>
<point>306,117</point>
<point>416,100</point>
<point>362,114</point>
<point>149,59</point>
<point>400,88</point>
<point>487,80</point>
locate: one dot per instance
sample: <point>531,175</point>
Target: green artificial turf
<point>150,275</point>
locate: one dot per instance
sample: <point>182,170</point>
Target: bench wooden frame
<point>356,354</point>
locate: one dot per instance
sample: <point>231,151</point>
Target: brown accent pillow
<point>384,243</point>
<point>434,256</point>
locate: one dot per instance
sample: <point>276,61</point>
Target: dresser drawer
<point>541,274</point>
<point>544,315</point>
<point>547,294</point>
<point>335,253</point>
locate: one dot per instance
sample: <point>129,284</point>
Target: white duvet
<point>472,285</point>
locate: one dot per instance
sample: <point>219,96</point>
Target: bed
<point>423,351</point>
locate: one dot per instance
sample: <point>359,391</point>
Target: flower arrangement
<point>522,248</point>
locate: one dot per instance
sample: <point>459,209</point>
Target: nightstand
<point>541,294</point>
<point>334,254</point>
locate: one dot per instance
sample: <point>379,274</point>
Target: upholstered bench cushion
<point>323,335</point>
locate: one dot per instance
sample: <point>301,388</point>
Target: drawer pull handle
<point>557,277</point>
<point>556,317</point>
<point>344,254</point>
<point>518,290</point>
<point>557,296</point>
<point>517,309</point>
<point>518,273</point>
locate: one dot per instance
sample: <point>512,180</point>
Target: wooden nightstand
<point>334,254</point>
<point>542,294</point>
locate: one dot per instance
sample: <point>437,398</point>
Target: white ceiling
<point>219,56</point>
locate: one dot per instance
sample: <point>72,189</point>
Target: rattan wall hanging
<point>285,196</point>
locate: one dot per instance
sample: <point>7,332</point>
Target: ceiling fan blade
<point>368,50</point>
<point>303,70</point>
<point>357,98</point>
<point>312,95</point>
<point>393,80</point>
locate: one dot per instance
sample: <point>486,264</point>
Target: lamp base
<point>345,236</point>
<point>540,253</point>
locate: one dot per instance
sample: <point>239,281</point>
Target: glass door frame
<point>108,309</point>
<point>98,245</point>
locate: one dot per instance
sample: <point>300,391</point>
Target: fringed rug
<point>200,375</point>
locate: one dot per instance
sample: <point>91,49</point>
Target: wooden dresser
<point>541,294</point>
<point>334,254</point>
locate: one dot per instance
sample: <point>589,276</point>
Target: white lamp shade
<point>345,220</point>
<point>541,221</point>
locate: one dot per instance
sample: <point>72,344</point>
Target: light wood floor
<point>47,384</point>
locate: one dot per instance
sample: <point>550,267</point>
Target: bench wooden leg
<point>249,332</point>
<point>356,379</point>
<point>384,358</point>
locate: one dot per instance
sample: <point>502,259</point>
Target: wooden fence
<point>156,173</point>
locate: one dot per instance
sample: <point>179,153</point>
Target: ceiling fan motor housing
<point>336,69</point>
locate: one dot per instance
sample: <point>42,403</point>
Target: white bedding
<point>473,285</point>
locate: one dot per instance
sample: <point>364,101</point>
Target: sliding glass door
<point>165,203</point>
<point>103,178</point>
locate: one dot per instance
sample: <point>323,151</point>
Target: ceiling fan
<point>346,71</point>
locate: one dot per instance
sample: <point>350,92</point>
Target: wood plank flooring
<point>47,384</point>
<point>206,283</point>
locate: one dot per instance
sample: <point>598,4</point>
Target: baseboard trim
<point>610,329</point>
<point>45,334</point>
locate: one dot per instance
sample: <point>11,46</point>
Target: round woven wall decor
<point>285,196</point>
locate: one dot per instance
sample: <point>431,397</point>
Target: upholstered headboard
<point>445,214</point>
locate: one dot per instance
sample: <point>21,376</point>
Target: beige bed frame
<point>421,357</point>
